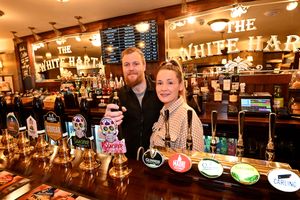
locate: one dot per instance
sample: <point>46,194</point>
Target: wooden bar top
<point>146,183</point>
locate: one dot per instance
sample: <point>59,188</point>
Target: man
<point>140,104</point>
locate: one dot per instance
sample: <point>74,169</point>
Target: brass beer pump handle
<point>270,149</point>
<point>167,134</point>
<point>189,138</point>
<point>240,142</point>
<point>213,143</point>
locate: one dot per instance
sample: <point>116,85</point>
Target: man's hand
<point>112,111</point>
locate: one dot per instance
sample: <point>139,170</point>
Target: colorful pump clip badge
<point>210,168</point>
<point>284,180</point>
<point>180,162</point>
<point>152,158</point>
<point>244,173</point>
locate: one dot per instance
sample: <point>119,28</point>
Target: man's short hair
<point>131,50</point>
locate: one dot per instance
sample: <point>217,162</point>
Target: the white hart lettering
<point>255,43</point>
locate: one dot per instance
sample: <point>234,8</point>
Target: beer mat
<point>10,182</point>
<point>45,191</point>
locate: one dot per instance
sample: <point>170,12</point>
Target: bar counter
<point>143,182</point>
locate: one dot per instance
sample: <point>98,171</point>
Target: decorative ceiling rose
<point>238,10</point>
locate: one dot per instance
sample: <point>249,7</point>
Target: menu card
<point>49,192</point>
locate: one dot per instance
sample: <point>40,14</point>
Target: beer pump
<point>89,162</point>
<point>213,142</point>
<point>240,142</point>
<point>42,148</point>
<point>189,137</point>
<point>63,156</point>
<point>270,149</point>
<point>167,134</point>
<point>23,143</point>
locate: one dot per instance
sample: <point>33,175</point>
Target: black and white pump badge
<point>152,158</point>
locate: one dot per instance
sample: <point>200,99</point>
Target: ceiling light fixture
<point>1,13</point>
<point>56,31</point>
<point>183,7</point>
<point>292,5</point>
<point>63,1</point>
<point>191,20</point>
<point>142,27</point>
<point>81,25</point>
<point>36,36</point>
<point>16,38</point>
<point>218,25</point>
<point>238,10</point>
<point>95,40</point>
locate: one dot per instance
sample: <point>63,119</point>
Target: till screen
<point>256,105</point>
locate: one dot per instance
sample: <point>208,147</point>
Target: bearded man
<point>140,104</point>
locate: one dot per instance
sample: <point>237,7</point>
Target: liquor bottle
<point>226,82</point>
<point>218,93</point>
<point>278,98</point>
<point>167,134</point>
<point>233,96</point>
<point>111,81</point>
<point>116,101</point>
<point>189,137</point>
<point>235,80</point>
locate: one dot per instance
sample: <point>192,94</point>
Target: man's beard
<point>137,81</point>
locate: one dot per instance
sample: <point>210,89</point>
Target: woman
<point>171,91</point>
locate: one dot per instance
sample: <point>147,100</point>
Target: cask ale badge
<point>180,162</point>
<point>210,168</point>
<point>244,173</point>
<point>80,128</point>
<point>152,158</point>
<point>12,124</point>
<point>284,180</point>
<point>32,127</point>
<point>109,130</point>
<point>52,126</point>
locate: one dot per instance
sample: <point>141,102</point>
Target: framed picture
<point>6,83</point>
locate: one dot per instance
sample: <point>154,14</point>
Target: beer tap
<point>42,148</point>
<point>7,143</point>
<point>213,142</point>
<point>240,142</point>
<point>64,153</point>
<point>189,137</point>
<point>24,148</point>
<point>167,134</point>
<point>270,149</point>
<point>89,162</point>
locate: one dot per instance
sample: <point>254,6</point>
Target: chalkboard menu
<point>24,64</point>
<point>115,40</point>
<point>24,59</point>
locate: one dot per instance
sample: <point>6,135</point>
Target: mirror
<point>265,36</point>
<point>67,57</point>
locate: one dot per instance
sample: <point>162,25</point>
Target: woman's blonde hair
<point>173,65</point>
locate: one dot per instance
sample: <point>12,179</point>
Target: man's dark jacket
<point>138,120</point>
